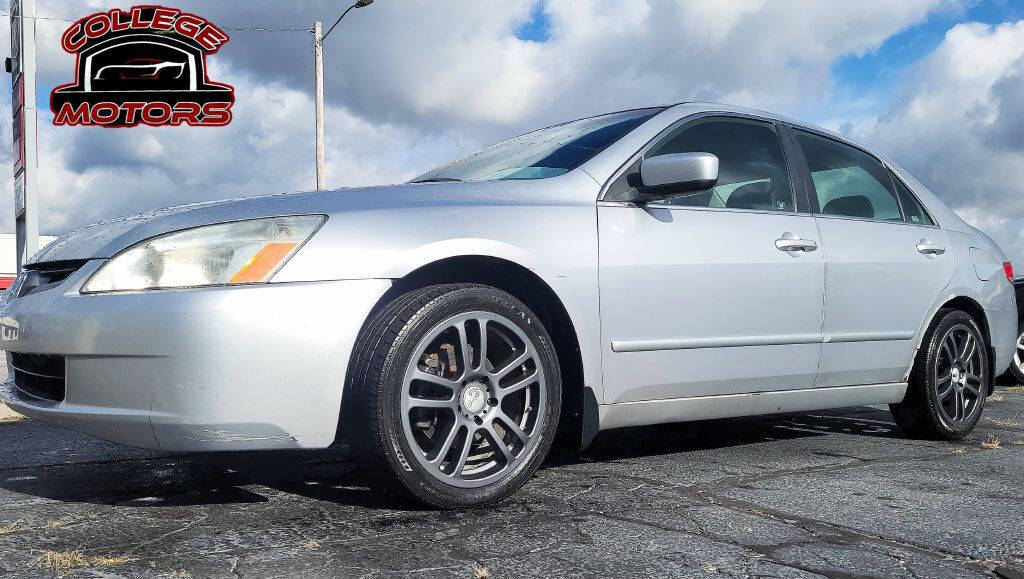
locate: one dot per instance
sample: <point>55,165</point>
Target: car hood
<point>87,242</point>
<point>106,238</point>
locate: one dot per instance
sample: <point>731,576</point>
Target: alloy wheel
<point>958,375</point>
<point>472,399</point>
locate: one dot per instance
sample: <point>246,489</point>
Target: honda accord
<point>654,265</point>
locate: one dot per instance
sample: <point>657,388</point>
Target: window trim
<point>896,181</point>
<point>813,193</point>
<point>801,174</point>
<point>801,202</point>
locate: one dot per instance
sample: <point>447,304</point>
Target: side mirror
<point>674,175</point>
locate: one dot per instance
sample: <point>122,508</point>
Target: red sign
<point>146,65</point>
<point>18,106</point>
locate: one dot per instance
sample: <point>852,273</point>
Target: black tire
<point>1017,365</point>
<point>377,382</point>
<point>923,412</point>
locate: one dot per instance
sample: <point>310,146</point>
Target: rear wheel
<point>949,381</point>
<point>1017,367</point>
<point>455,395</point>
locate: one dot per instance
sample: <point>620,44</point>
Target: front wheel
<point>456,395</point>
<point>949,380</point>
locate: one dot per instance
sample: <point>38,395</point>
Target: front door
<point>718,292</point>
<point>886,264</point>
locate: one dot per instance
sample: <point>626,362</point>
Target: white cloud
<point>711,22</point>
<point>415,82</point>
<point>777,55</point>
<point>956,126</point>
<point>94,173</point>
<point>457,64</point>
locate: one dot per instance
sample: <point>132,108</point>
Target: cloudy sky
<point>936,84</point>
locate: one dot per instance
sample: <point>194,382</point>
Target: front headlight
<point>241,252</point>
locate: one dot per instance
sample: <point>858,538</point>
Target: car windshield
<point>544,153</point>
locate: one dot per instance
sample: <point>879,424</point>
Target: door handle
<point>928,248</point>
<point>790,242</point>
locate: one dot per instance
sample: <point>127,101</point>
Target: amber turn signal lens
<point>264,262</point>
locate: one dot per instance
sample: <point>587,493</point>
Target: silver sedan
<point>646,266</point>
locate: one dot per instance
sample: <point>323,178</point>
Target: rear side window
<point>752,170</point>
<point>848,181</point>
<point>912,209</point>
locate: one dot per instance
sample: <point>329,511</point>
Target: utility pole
<point>318,52</point>
<point>318,49</point>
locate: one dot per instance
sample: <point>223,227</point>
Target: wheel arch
<point>971,307</point>
<point>578,423</point>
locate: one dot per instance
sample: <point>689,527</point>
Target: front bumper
<point>240,368</point>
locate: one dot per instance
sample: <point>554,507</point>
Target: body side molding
<point>741,341</point>
<point>755,403</point>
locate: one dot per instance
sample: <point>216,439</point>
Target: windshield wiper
<point>438,180</point>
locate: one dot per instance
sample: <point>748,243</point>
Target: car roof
<point>711,106</point>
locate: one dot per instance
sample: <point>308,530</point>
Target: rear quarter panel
<point>995,295</point>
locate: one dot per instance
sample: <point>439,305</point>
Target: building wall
<point>9,257</point>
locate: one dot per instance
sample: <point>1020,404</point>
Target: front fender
<point>417,257</point>
<point>557,242</point>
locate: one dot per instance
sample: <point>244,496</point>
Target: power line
<point>264,29</point>
<point>37,17</point>
<point>226,28</point>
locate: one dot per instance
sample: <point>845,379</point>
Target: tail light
<point>1008,270</point>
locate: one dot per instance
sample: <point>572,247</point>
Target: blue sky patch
<point>537,28</point>
<point>880,70</point>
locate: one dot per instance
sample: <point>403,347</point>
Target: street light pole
<point>318,52</point>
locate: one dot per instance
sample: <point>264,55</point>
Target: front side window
<point>752,170</point>
<point>912,209</point>
<point>848,181</point>
<point>544,153</point>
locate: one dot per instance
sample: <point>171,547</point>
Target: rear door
<point>885,263</point>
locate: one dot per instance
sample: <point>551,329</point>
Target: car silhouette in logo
<point>141,69</point>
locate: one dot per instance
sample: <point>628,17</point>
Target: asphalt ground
<point>835,493</point>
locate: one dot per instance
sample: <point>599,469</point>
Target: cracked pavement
<point>830,493</point>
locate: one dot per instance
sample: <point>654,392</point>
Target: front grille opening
<point>39,375</point>
<point>43,276</point>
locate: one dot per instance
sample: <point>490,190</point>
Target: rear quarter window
<point>913,211</point>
